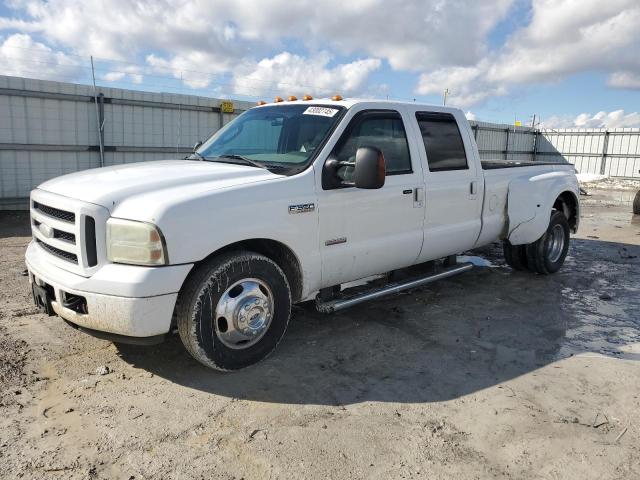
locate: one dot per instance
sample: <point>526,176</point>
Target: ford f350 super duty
<point>285,204</point>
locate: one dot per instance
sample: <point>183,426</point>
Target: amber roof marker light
<point>278,99</point>
<point>307,97</point>
<point>261,102</point>
<point>336,98</point>
<point>292,98</point>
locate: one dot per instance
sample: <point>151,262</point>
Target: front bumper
<point>120,299</point>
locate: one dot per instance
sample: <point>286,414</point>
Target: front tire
<point>636,204</point>
<point>233,310</point>
<point>546,255</point>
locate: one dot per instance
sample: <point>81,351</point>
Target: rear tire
<point>636,204</point>
<point>546,255</point>
<point>515,255</point>
<point>233,310</point>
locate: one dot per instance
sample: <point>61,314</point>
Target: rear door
<point>454,189</point>
<point>365,232</point>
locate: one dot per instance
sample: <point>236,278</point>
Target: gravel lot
<point>490,374</point>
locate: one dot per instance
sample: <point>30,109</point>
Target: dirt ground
<point>491,374</point>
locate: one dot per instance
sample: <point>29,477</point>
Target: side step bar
<point>331,306</point>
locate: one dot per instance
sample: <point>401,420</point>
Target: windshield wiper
<point>197,154</point>
<point>246,160</point>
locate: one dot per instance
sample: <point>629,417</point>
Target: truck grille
<point>52,212</point>
<point>65,229</point>
<point>60,234</point>
<point>70,257</point>
<point>66,236</point>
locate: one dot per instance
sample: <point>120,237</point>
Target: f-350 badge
<point>302,208</point>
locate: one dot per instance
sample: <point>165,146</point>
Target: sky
<point>571,63</point>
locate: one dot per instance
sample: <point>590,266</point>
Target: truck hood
<point>169,179</point>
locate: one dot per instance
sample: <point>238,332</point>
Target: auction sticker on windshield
<point>323,111</point>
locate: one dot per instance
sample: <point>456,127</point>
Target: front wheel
<point>233,310</point>
<point>636,204</point>
<point>546,255</point>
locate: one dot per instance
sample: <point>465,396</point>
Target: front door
<point>365,232</point>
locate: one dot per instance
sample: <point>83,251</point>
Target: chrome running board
<point>331,306</point>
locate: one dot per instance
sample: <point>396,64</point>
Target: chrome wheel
<point>243,313</point>
<point>555,244</point>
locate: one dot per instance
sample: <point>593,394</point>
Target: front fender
<point>530,201</point>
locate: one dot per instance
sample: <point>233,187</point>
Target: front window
<point>280,137</point>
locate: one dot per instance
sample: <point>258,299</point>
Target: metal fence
<point>496,140</point>
<point>614,152</point>
<point>611,152</point>
<point>50,128</point>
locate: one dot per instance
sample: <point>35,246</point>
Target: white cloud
<point>181,67</point>
<point>564,37</point>
<point>615,119</point>
<point>447,42</point>
<point>471,116</point>
<point>20,55</point>
<point>287,73</point>
<point>227,35</point>
<point>113,76</point>
<point>132,73</point>
<point>467,85</point>
<point>625,80</point>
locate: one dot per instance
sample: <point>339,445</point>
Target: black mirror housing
<point>370,170</point>
<point>197,145</point>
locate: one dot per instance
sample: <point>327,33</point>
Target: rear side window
<point>442,141</point>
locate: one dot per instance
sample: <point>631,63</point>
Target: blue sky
<point>570,62</point>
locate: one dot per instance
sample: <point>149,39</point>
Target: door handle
<point>418,197</point>
<point>473,187</point>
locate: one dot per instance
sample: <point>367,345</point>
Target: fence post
<point>605,147</point>
<point>535,144</point>
<point>506,146</point>
<point>98,120</point>
<point>101,120</point>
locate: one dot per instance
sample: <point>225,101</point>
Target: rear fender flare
<point>530,201</point>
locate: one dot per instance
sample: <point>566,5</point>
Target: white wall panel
<point>49,128</point>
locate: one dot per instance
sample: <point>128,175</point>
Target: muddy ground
<point>492,374</point>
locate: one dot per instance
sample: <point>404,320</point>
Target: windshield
<point>278,136</point>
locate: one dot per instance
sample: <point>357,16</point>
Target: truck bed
<point>495,164</point>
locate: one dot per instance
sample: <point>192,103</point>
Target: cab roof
<point>350,102</point>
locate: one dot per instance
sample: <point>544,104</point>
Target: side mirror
<point>197,145</point>
<point>370,171</point>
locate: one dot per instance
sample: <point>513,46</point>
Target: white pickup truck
<point>285,204</point>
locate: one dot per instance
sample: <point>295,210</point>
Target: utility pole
<point>98,122</point>
<point>445,95</point>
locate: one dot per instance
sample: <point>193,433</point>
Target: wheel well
<point>568,204</point>
<point>276,251</point>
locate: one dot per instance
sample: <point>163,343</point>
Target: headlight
<point>136,243</point>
